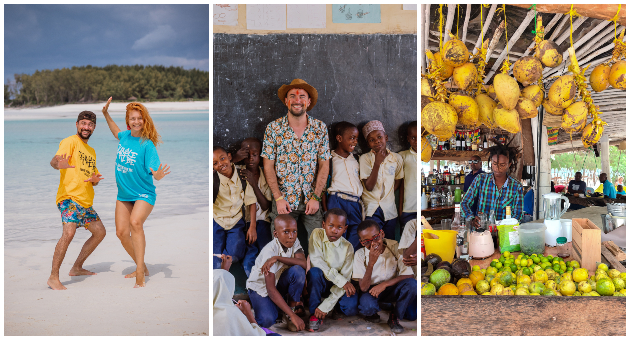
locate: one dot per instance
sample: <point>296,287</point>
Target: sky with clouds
<point>38,37</point>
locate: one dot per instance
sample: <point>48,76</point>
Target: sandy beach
<point>174,302</point>
<point>71,110</point>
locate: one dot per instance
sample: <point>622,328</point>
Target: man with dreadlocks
<point>496,190</point>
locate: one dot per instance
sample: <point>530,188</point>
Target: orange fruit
<point>476,277</point>
<point>464,280</point>
<point>448,289</point>
<point>464,287</point>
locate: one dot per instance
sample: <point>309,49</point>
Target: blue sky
<point>38,37</point>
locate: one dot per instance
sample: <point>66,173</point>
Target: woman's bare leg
<point>123,230</point>
<point>139,214</point>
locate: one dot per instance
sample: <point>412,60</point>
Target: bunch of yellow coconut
<point>604,75</point>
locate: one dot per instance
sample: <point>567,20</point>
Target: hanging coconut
<point>617,77</point>
<point>507,90</point>
<point>426,89</point>
<point>466,108</point>
<point>593,132</point>
<point>506,119</point>
<point>547,53</point>
<point>486,110</point>
<point>447,70</point>
<point>533,93</point>
<point>439,119</point>
<point>454,52</point>
<point>599,78</point>
<point>574,115</point>
<point>426,150</point>
<point>527,70</point>
<point>465,75</point>
<point>490,91</point>
<point>562,91</point>
<point>526,108</point>
<point>552,109</point>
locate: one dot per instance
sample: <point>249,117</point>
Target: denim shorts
<point>73,212</point>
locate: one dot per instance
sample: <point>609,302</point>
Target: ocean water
<point>30,183</point>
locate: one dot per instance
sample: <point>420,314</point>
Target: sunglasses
<point>474,161</point>
<point>366,243</point>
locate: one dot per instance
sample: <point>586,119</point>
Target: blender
<point>552,210</point>
<point>481,244</point>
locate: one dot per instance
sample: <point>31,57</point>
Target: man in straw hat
<point>296,154</point>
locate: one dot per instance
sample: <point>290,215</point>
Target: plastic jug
<point>457,195</point>
<point>552,212</point>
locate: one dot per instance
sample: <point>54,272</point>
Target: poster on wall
<point>225,15</point>
<point>267,17</point>
<point>306,16</point>
<point>356,14</point>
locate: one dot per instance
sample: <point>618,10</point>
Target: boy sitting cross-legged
<point>279,271</point>
<point>331,269</point>
<point>382,276</point>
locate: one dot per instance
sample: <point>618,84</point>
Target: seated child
<point>408,196</point>
<point>257,223</point>
<point>331,269</point>
<point>382,276</point>
<point>228,235</point>
<point>279,271</point>
<point>345,187</point>
<point>381,173</point>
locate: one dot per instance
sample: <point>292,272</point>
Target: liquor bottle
<point>446,145</point>
<point>456,218</point>
<point>434,199</point>
<point>468,142</point>
<point>451,144</point>
<point>485,142</point>
<point>462,176</point>
<point>440,145</point>
<point>475,141</point>
<point>492,226</point>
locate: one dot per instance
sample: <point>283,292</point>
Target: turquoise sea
<point>30,183</point>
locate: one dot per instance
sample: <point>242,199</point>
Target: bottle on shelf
<point>485,142</point>
<point>452,142</point>
<point>458,142</point>
<point>434,199</point>
<point>449,196</point>
<point>456,218</point>
<point>462,176</point>
<point>446,145</point>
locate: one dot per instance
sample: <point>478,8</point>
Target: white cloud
<point>163,35</point>
<point>200,64</point>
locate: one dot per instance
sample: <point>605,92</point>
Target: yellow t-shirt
<point>72,183</point>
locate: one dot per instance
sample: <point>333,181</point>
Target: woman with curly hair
<point>137,164</point>
<point>496,190</point>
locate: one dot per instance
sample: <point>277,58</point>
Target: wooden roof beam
<point>485,27</point>
<point>528,18</point>
<point>465,28</point>
<point>599,11</point>
<point>427,21</point>
<point>423,40</point>
<point>449,23</point>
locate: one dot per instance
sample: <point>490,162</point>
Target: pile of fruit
<point>528,275</point>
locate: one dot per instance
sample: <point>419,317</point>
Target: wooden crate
<point>587,243</point>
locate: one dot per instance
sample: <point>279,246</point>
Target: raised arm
<point>110,122</point>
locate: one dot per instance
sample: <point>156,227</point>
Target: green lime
<point>513,267</point>
<point>544,259</point>
<point>527,271</point>
<point>498,265</point>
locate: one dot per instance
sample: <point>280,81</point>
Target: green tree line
<point>586,160</point>
<point>90,84</point>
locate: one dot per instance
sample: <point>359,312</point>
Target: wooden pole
<point>598,11</point>
<point>465,28</point>
<point>422,40</point>
<point>605,154</point>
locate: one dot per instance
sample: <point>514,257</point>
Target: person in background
<point>528,206</point>
<point>408,194</point>
<point>620,190</point>
<point>475,166</point>
<point>609,189</point>
<point>577,185</point>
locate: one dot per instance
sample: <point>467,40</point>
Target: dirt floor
<point>352,325</point>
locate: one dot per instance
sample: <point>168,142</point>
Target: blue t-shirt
<point>609,190</point>
<point>133,176</point>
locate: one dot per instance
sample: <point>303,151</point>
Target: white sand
<point>72,110</point>
<point>174,302</point>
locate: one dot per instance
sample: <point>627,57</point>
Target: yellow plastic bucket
<point>441,242</point>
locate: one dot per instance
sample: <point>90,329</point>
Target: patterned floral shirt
<point>296,159</point>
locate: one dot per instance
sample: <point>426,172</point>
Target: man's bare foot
<point>146,273</point>
<point>55,284</point>
<point>80,271</point>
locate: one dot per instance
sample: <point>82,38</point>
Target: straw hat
<point>299,84</point>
